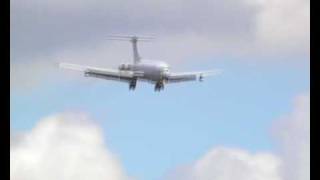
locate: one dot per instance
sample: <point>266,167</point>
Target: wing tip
<point>71,66</point>
<point>213,72</point>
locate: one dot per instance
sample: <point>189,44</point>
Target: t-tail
<point>136,56</point>
<point>134,40</point>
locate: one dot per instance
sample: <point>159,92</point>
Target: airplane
<point>154,72</point>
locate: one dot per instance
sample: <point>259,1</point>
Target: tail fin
<point>134,40</point>
<point>136,56</point>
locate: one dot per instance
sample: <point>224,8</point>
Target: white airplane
<point>155,72</point>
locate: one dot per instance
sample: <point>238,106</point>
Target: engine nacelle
<point>125,67</point>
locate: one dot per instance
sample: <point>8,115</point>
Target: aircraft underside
<point>158,86</point>
<point>154,72</point>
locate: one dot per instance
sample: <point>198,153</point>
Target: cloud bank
<point>230,163</point>
<point>290,162</point>
<point>70,146</point>
<point>284,24</point>
<point>66,147</point>
<point>43,32</point>
<point>292,133</point>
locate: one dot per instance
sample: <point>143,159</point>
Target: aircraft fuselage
<point>150,71</point>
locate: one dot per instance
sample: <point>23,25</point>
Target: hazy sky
<point>252,120</point>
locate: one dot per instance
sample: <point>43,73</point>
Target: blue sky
<point>261,46</point>
<point>153,132</point>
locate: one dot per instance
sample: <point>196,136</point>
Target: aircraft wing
<point>190,76</point>
<point>108,74</point>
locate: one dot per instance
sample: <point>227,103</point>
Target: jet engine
<point>125,67</point>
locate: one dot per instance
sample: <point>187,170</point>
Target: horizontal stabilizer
<point>130,38</point>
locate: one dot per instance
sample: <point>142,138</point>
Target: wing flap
<point>190,76</point>
<point>102,73</point>
<point>114,77</point>
<point>172,78</point>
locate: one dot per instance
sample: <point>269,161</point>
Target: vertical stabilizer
<point>134,40</point>
<point>136,56</point>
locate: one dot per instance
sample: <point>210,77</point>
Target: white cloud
<point>27,75</point>
<point>284,24</point>
<point>292,162</point>
<point>42,32</point>
<point>41,25</point>
<point>222,163</point>
<point>69,146</point>
<point>230,163</point>
<point>66,147</point>
<point>292,133</point>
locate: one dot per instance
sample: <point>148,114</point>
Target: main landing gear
<point>159,86</point>
<point>132,85</point>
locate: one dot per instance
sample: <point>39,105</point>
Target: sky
<point>252,120</point>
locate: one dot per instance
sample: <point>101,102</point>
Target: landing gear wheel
<point>159,86</point>
<point>132,85</point>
